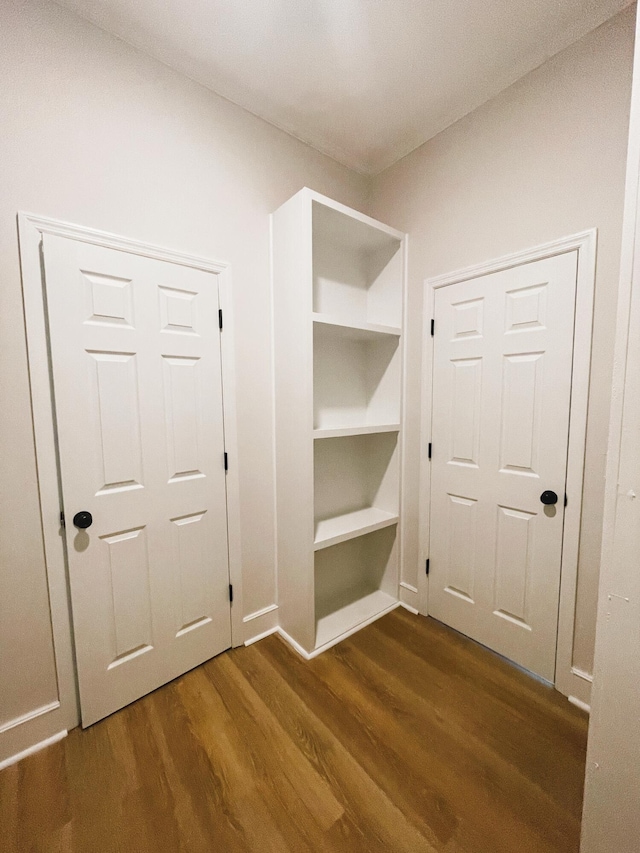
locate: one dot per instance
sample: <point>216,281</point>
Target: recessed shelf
<point>357,268</point>
<point>353,475</point>
<point>334,625</point>
<point>355,581</point>
<point>332,531</point>
<point>356,380</point>
<point>355,331</point>
<point>367,429</point>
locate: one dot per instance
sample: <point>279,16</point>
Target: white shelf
<point>355,331</point>
<point>367,429</point>
<point>332,531</point>
<point>334,626</point>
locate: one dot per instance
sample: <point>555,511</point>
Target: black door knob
<point>83,519</point>
<point>549,498</point>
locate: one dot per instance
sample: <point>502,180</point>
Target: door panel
<point>461,547</point>
<point>135,352</point>
<point>501,395</point>
<point>466,380</point>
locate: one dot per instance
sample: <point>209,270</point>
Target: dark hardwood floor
<point>405,737</point>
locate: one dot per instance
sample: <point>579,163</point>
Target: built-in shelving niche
<point>355,486</point>
<point>354,582</point>
<point>356,270</point>
<point>338,284</point>
<point>356,377</point>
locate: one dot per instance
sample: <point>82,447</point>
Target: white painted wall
<point>611,814</point>
<point>543,160</point>
<point>96,133</point>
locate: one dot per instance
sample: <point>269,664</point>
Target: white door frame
<point>569,680</point>
<point>30,229</point>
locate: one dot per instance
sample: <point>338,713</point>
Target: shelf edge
<point>371,328</point>
<point>344,432</point>
<point>355,532</point>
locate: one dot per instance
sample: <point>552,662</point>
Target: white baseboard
<point>34,730</point>
<point>23,719</point>
<point>31,749</point>
<point>296,646</point>
<point>579,704</point>
<point>314,654</point>
<point>579,692</point>
<point>264,622</point>
<point>408,595</point>
<point>260,624</point>
<point>259,637</point>
<point>575,684</point>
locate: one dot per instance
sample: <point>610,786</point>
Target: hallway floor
<point>405,737</point>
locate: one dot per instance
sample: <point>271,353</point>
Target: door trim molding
<point>584,243</point>
<point>30,231</point>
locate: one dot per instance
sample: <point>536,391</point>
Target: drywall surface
<point>99,134</point>
<point>543,160</point>
<point>611,817</point>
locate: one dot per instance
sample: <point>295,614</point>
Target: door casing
<point>64,714</point>
<point>569,680</point>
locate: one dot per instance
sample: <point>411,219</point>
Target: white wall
<point>611,814</point>
<point>96,133</point>
<point>543,160</point>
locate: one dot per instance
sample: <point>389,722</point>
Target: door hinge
<point>566,499</point>
<point>62,521</point>
<point>231,593</point>
<point>226,461</point>
<point>433,328</point>
<point>429,450</point>
<point>220,317</point>
<point>426,567</point>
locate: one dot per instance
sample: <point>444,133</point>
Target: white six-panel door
<point>135,350</point>
<point>502,366</point>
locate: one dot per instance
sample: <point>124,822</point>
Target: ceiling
<point>364,81</point>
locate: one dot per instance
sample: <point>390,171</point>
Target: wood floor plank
<point>350,721</point>
<point>43,800</point>
<point>364,802</point>
<point>192,807</point>
<point>495,679</point>
<point>105,807</point>
<point>405,738</point>
<point>434,787</point>
<point>261,728</point>
<point>9,807</point>
<point>460,756</point>
<point>252,797</point>
<point>278,783</point>
<point>512,735</point>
